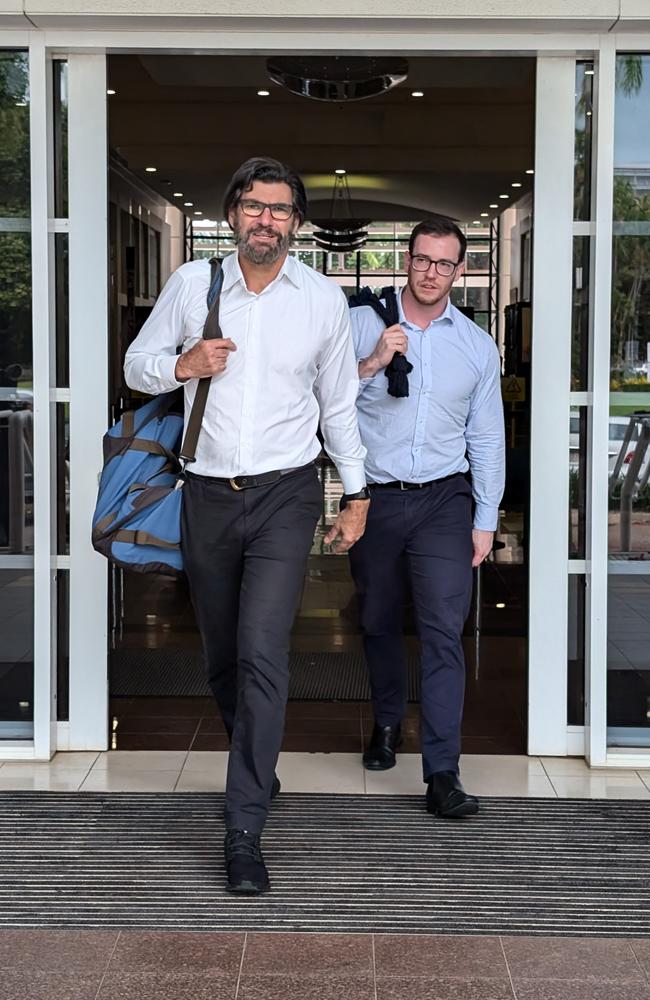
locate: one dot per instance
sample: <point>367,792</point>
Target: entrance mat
<point>176,672</point>
<point>337,863</point>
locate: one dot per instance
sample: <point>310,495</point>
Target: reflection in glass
<point>576,651</point>
<point>62,310</point>
<point>16,396</point>
<point>14,137</point>
<point>63,478</point>
<point>583,140</point>
<point>60,88</point>
<point>63,644</point>
<point>577,481</point>
<point>580,316</point>
<point>628,661</point>
<point>16,654</point>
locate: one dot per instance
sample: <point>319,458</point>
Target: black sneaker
<point>276,787</point>
<point>245,866</point>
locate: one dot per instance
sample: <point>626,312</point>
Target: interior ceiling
<point>453,151</point>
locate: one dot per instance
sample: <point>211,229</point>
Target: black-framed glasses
<point>279,210</point>
<point>445,268</point>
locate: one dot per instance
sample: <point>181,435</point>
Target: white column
<point>601,278</point>
<point>44,576</point>
<point>551,365</point>
<point>88,211</point>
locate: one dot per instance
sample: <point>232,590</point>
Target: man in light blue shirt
<point>422,452</point>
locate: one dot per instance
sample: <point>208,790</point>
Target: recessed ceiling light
<point>504,196</point>
<point>476,222</point>
<point>500,605</point>
<point>589,113</point>
<point>484,215</point>
<point>493,205</point>
<point>178,194</point>
<point>21,104</point>
<point>417,93</point>
<point>530,171</point>
<point>263,93</point>
<point>151,170</point>
<point>188,204</point>
<point>516,184</point>
<point>198,213</point>
<point>111,93</point>
<point>340,171</point>
<point>589,72</point>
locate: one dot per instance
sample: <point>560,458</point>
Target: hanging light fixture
<point>337,78</point>
<point>342,232</point>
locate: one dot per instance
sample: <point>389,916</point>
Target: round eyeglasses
<point>445,268</point>
<point>279,210</point>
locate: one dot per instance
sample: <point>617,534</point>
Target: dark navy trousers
<point>245,555</point>
<point>428,533</point>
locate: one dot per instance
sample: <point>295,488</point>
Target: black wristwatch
<point>363,494</point>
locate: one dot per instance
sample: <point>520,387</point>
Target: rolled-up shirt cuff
<point>486,517</point>
<point>353,476</point>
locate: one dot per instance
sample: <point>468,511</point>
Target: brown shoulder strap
<point>211,331</point>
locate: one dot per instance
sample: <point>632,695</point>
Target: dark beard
<point>261,255</point>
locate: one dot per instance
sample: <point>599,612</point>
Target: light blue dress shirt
<point>452,418</point>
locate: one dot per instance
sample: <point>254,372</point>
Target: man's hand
<point>482,542</point>
<point>208,357</point>
<point>349,525</point>
<point>392,339</point>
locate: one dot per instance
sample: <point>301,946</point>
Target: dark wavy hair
<point>439,225</point>
<point>263,168</point>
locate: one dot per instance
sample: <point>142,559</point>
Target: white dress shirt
<point>294,364</point>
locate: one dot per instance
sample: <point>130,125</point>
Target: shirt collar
<point>232,272</point>
<point>447,315</point>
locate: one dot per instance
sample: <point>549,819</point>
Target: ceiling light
<point>111,93</point>
<point>476,222</point>
<point>417,93</point>
<point>499,605</point>
<point>494,205</point>
<point>198,213</point>
<point>188,204</point>
<point>178,194</point>
<point>530,171</point>
<point>589,72</point>
<point>151,170</point>
<point>516,184</point>
<point>484,215</point>
<point>340,171</point>
<point>21,104</point>
<point>504,196</point>
<point>589,113</point>
<point>337,78</point>
<point>263,93</point>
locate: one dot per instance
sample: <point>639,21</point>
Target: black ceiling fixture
<point>337,78</point>
<point>342,232</point>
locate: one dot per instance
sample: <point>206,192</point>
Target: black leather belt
<point>238,483</point>
<point>398,484</point>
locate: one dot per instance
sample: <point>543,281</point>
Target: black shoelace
<point>244,844</point>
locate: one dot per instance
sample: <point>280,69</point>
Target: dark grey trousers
<point>245,555</point>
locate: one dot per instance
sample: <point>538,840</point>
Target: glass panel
<point>628,661</point>
<point>63,478</point>
<point>584,121</point>
<point>60,71</point>
<point>577,481</point>
<point>580,316</point>
<point>63,644</point>
<point>14,136</point>
<point>576,652</point>
<point>62,310</point>
<point>16,396</point>
<point>16,653</point>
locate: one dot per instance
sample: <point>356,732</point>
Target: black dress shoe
<point>247,874</point>
<point>276,787</point>
<point>380,754</point>
<point>446,796</point>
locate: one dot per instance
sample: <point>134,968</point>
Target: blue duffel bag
<point>137,519</point>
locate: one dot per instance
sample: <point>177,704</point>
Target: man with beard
<point>252,498</point>
<point>420,450</point>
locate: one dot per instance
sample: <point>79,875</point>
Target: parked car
<point>617,430</point>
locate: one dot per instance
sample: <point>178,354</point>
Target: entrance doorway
<point>178,127</point>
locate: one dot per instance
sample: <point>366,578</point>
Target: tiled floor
<point>205,771</point>
<point>137,965</point>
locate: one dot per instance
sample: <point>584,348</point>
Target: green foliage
<point>631,281</point>
<point>14,134</point>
